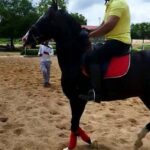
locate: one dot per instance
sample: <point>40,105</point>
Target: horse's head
<point>60,26</point>
<point>43,29</point>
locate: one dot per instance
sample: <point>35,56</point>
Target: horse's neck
<point>67,27</point>
<point>68,43</point>
<point>69,53</point>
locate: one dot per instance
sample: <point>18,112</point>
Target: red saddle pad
<point>118,67</point>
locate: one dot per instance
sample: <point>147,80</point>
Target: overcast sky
<point>93,10</point>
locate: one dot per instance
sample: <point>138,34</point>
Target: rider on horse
<point>116,29</point>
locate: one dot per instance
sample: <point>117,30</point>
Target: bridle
<point>35,38</point>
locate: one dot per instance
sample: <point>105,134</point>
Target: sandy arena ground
<point>36,118</point>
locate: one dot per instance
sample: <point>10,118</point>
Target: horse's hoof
<point>95,144</point>
<point>89,141</point>
<point>138,144</point>
<point>66,148</point>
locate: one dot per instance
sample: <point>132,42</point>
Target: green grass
<point>4,41</point>
<point>30,52</point>
<point>147,47</point>
<point>138,48</point>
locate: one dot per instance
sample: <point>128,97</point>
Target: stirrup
<point>91,96</point>
<point>92,91</point>
<point>96,97</point>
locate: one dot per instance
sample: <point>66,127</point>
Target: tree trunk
<point>143,44</point>
<point>12,47</point>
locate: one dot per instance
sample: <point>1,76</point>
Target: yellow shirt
<point>121,31</point>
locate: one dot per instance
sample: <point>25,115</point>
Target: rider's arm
<point>105,27</point>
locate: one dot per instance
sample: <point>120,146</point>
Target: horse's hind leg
<point>146,129</point>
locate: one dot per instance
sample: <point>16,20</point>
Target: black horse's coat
<point>70,47</point>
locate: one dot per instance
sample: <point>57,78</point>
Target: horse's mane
<point>68,26</point>
<point>70,45</point>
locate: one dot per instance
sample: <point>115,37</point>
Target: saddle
<point>117,67</point>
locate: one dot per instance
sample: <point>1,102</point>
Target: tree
<point>80,18</point>
<point>140,30</point>
<point>16,17</point>
<point>44,5</point>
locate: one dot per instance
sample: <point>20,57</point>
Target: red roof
<point>90,28</point>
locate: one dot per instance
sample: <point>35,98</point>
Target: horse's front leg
<point>77,108</point>
<point>141,135</point>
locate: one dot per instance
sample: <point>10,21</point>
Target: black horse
<point>71,44</point>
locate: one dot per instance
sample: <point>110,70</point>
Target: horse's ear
<point>54,4</point>
<point>51,10</point>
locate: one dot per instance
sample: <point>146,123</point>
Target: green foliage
<point>5,41</point>
<point>16,17</point>
<point>80,18</point>
<point>44,4</point>
<point>140,31</point>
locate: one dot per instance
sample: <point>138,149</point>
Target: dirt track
<point>39,118</point>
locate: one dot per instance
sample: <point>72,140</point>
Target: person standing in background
<point>45,52</point>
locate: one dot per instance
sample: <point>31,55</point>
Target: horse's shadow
<point>94,146</point>
<point>97,146</point>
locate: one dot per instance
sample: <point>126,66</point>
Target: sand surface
<point>36,118</point>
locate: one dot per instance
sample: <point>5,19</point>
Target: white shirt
<point>45,52</point>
